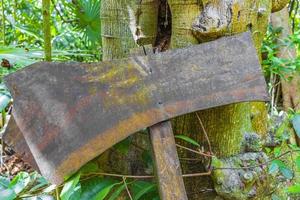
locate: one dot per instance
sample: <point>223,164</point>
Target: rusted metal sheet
<point>70,113</point>
<point>13,137</point>
<point>168,170</point>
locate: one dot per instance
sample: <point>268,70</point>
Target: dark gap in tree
<point>164,28</point>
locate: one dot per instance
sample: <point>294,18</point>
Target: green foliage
<point>71,188</point>
<point>294,189</point>
<point>142,188</point>
<point>99,188</point>
<point>187,139</point>
<point>296,123</point>
<point>75,27</point>
<point>5,97</point>
<point>285,156</point>
<point>87,14</point>
<point>272,64</point>
<point>279,166</point>
<point>23,186</point>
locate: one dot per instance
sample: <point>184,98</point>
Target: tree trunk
<point>290,89</point>
<point>3,22</point>
<point>225,125</point>
<point>124,26</point>
<point>47,29</point>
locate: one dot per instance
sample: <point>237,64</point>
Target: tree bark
<point>124,26</point>
<point>47,29</point>
<point>228,123</point>
<point>225,125</point>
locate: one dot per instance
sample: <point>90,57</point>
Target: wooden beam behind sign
<point>71,113</point>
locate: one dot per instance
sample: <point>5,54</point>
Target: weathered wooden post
<point>70,113</point>
<point>168,170</point>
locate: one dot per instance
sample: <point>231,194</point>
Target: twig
<point>190,159</point>
<point>57,193</point>
<point>120,175</point>
<point>205,134</point>
<point>142,176</point>
<point>194,151</point>
<point>207,139</point>
<point>128,192</point>
<point>196,174</point>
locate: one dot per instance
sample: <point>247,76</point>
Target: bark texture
<point>216,19</point>
<point>124,26</point>
<point>194,22</point>
<point>277,5</point>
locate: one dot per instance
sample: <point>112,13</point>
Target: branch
<point>128,192</point>
<point>194,151</point>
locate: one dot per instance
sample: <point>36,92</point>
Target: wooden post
<point>167,165</point>
<point>168,170</point>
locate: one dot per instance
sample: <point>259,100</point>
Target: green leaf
<point>187,139</point>
<point>296,124</point>
<point>70,187</point>
<point>140,188</point>
<point>275,197</point>
<point>76,193</point>
<point>298,162</point>
<point>4,182</point>
<point>279,163</point>
<point>91,166</point>
<point>144,191</point>
<point>49,189</point>
<point>103,193</point>
<point>91,187</point>
<point>8,194</point>
<point>273,168</point>
<point>40,182</point>
<point>286,172</point>
<point>294,189</point>
<point>123,146</point>
<point>4,101</point>
<point>277,151</point>
<point>117,192</point>
<point>19,182</point>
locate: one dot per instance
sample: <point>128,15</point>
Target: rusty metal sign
<point>71,113</point>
